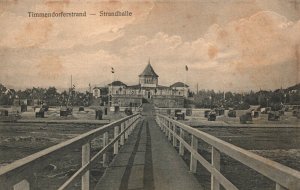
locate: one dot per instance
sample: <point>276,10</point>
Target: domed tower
<point>148,78</point>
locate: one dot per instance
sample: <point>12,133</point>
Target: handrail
<point>285,177</point>
<point>100,153</point>
<point>12,174</point>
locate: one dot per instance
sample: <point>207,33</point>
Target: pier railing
<point>283,176</point>
<point>19,174</point>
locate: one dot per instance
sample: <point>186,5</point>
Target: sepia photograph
<point>150,95</point>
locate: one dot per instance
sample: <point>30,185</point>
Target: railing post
<point>132,122</point>
<point>130,126</point>
<point>215,161</point>
<point>162,121</point>
<point>165,127</point>
<point>169,132</point>
<point>126,132</point>
<point>181,147</point>
<point>105,142</point>
<point>116,144</point>
<point>279,187</point>
<point>193,162</point>
<point>85,179</point>
<point>158,122</point>
<point>174,137</point>
<point>122,136</point>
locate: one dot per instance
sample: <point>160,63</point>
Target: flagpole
<point>186,70</point>
<point>112,80</point>
<point>184,82</point>
<point>110,94</point>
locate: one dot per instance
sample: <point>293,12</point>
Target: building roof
<point>117,83</point>
<point>179,84</point>
<point>148,71</point>
<point>162,87</point>
<point>138,86</point>
<point>100,88</point>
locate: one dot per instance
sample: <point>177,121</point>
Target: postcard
<point>155,94</point>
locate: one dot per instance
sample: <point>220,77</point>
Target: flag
<point>186,68</point>
<point>112,70</point>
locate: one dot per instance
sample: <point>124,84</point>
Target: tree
<point>3,89</point>
<point>52,96</point>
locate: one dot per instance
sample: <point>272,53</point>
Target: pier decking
<point>148,161</point>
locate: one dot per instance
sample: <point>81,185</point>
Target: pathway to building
<point>147,161</point>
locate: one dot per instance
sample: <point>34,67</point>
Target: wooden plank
<point>105,156</point>
<point>174,137</point>
<point>215,161</point>
<point>181,146</point>
<point>126,133</point>
<point>193,161</point>
<point>130,126</point>
<point>136,177</point>
<point>112,178</point>
<point>85,179</point>
<point>169,130</point>
<point>116,145</point>
<point>165,127</point>
<point>122,137</point>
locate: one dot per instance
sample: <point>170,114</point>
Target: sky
<point>226,44</point>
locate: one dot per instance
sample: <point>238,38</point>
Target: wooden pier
<point>148,161</point>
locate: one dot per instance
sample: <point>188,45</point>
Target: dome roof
<point>179,84</point>
<point>117,83</point>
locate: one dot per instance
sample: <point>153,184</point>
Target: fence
<point>19,174</point>
<point>283,176</point>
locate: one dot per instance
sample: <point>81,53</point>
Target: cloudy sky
<point>226,44</point>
